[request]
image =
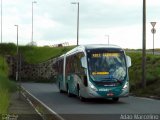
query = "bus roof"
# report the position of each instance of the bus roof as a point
(96, 46)
(92, 46)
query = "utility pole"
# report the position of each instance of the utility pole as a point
(77, 21)
(18, 66)
(17, 56)
(144, 46)
(32, 23)
(108, 38)
(1, 21)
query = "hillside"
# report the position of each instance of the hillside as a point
(34, 54)
(6, 86)
(31, 55)
(152, 74)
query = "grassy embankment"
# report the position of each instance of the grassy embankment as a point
(152, 75)
(31, 55)
(34, 54)
(41, 54)
(6, 86)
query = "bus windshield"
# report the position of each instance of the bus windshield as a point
(106, 65)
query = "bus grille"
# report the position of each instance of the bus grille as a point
(108, 83)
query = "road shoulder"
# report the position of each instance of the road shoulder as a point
(19, 107)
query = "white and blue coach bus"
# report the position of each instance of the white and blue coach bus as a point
(94, 71)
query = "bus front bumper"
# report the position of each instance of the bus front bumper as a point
(105, 92)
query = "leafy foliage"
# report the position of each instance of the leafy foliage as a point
(40, 54)
(7, 49)
(152, 74)
(6, 86)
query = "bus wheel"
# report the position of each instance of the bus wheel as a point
(59, 86)
(80, 97)
(115, 99)
(68, 92)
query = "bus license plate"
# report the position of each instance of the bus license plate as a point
(110, 94)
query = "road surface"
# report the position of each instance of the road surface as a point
(71, 108)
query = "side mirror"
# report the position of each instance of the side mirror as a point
(83, 62)
(128, 59)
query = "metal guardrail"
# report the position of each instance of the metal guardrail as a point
(43, 110)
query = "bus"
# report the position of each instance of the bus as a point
(94, 71)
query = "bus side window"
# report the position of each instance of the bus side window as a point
(71, 65)
(76, 64)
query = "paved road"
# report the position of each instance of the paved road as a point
(96, 109)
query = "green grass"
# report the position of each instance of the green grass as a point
(4, 101)
(31, 55)
(41, 54)
(152, 74)
(34, 54)
(6, 86)
(7, 49)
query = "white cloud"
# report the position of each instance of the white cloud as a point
(55, 21)
(43, 22)
(122, 36)
(130, 3)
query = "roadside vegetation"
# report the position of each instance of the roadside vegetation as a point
(6, 86)
(32, 55)
(40, 54)
(152, 75)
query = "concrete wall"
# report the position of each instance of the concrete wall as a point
(27, 72)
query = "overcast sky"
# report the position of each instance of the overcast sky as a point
(55, 22)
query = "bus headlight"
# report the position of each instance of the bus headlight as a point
(92, 86)
(126, 86)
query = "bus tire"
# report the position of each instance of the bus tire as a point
(79, 95)
(68, 91)
(115, 99)
(59, 86)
